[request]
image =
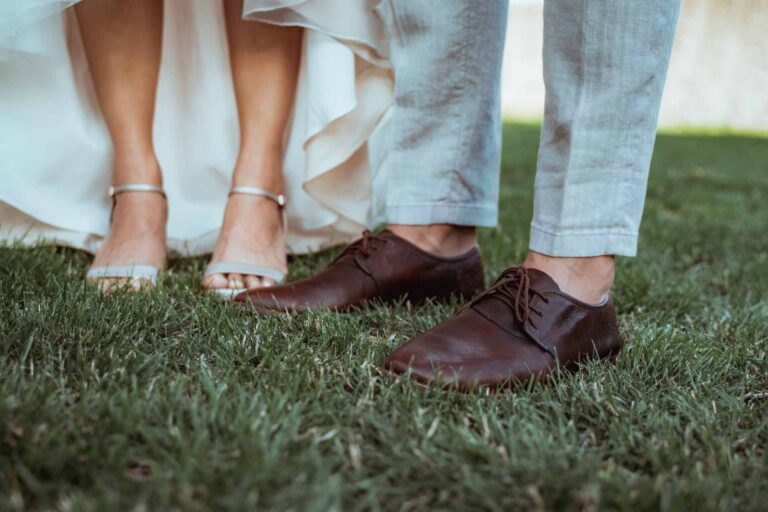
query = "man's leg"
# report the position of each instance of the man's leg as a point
(442, 163)
(604, 70)
(605, 64)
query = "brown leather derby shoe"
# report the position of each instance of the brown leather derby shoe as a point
(383, 268)
(521, 328)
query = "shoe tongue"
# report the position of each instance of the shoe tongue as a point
(538, 281)
(388, 234)
(541, 281)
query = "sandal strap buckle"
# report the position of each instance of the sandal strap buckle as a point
(256, 191)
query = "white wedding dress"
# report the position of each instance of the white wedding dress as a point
(55, 152)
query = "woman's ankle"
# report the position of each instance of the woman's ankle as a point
(137, 168)
(262, 172)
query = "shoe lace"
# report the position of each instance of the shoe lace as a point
(364, 247)
(513, 288)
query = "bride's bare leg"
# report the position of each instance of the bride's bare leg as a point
(265, 63)
(122, 40)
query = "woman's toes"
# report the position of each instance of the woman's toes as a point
(106, 285)
(140, 284)
(112, 284)
(236, 281)
(253, 282)
(216, 281)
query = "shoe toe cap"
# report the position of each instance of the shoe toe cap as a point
(261, 298)
(465, 354)
(439, 354)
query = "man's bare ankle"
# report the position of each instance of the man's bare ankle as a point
(589, 279)
(445, 240)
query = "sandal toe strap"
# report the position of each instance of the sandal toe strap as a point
(133, 272)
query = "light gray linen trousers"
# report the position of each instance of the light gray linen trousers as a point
(605, 62)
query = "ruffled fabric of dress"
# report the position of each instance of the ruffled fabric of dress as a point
(17, 17)
(55, 152)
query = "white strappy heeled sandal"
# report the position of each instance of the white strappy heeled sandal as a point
(236, 267)
(136, 273)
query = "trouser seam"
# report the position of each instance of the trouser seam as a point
(461, 119)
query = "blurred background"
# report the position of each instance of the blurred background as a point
(718, 76)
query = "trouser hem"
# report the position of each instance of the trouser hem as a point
(575, 245)
(441, 213)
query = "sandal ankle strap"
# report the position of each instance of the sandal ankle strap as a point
(115, 191)
(135, 187)
(256, 191)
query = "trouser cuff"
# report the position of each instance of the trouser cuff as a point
(441, 213)
(574, 245)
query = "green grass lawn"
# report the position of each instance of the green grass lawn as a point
(174, 400)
